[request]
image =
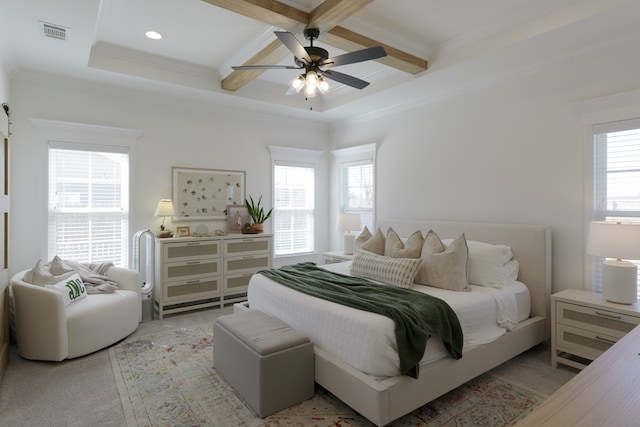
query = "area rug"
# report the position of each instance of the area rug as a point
(168, 379)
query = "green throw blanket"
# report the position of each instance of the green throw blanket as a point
(417, 316)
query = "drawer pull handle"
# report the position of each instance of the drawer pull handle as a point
(599, 338)
(599, 313)
(191, 282)
(193, 244)
(193, 262)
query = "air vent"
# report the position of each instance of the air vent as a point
(54, 31)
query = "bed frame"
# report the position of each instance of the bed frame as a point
(382, 401)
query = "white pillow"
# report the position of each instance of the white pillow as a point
(392, 271)
(490, 265)
(72, 289)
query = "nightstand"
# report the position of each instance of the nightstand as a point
(336, 256)
(584, 326)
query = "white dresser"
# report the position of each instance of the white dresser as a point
(198, 272)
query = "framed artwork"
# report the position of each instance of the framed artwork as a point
(203, 194)
(184, 231)
(238, 215)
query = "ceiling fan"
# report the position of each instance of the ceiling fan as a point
(312, 58)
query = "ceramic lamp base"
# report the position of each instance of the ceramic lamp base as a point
(348, 243)
(620, 282)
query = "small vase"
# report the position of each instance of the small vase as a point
(259, 227)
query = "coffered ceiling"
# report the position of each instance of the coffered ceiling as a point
(434, 47)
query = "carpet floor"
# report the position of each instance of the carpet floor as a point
(167, 379)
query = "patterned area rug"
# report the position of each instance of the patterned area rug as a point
(167, 379)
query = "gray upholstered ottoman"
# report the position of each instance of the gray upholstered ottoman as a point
(270, 364)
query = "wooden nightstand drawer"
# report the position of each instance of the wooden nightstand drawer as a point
(595, 319)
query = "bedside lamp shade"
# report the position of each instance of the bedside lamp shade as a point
(620, 241)
(348, 223)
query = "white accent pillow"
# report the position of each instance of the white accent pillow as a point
(392, 271)
(490, 265)
(396, 248)
(72, 289)
(444, 267)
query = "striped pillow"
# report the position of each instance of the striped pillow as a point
(392, 271)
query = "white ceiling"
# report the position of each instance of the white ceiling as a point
(466, 42)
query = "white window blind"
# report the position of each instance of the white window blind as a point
(616, 177)
(88, 203)
(294, 204)
(357, 190)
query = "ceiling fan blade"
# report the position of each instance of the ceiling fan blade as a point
(353, 57)
(293, 45)
(345, 79)
(265, 67)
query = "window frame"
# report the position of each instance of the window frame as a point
(82, 135)
(301, 158)
(600, 174)
(352, 156)
(52, 236)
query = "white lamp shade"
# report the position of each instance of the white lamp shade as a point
(165, 208)
(349, 222)
(614, 240)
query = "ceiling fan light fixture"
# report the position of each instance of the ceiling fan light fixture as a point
(323, 85)
(312, 79)
(298, 83)
(310, 91)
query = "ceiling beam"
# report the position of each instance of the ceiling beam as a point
(349, 41)
(272, 54)
(332, 12)
(268, 11)
(325, 17)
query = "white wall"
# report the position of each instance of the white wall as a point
(176, 133)
(512, 152)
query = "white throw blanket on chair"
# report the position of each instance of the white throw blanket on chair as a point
(58, 270)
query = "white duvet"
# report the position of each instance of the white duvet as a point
(366, 340)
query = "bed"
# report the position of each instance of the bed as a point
(382, 396)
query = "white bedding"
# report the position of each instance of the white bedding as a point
(366, 340)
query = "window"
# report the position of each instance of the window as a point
(88, 203)
(293, 209)
(616, 176)
(356, 168)
(356, 190)
(294, 200)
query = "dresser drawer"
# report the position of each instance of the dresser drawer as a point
(596, 320)
(236, 283)
(246, 264)
(189, 270)
(191, 250)
(189, 290)
(247, 246)
(582, 342)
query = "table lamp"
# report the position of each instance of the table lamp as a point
(616, 240)
(348, 223)
(164, 209)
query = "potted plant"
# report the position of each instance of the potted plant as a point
(257, 213)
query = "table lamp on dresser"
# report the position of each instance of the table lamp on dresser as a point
(348, 223)
(618, 242)
(164, 209)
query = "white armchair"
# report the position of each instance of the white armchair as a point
(46, 329)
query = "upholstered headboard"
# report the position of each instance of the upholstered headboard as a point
(531, 246)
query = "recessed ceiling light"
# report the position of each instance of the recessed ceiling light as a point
(154, 35)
